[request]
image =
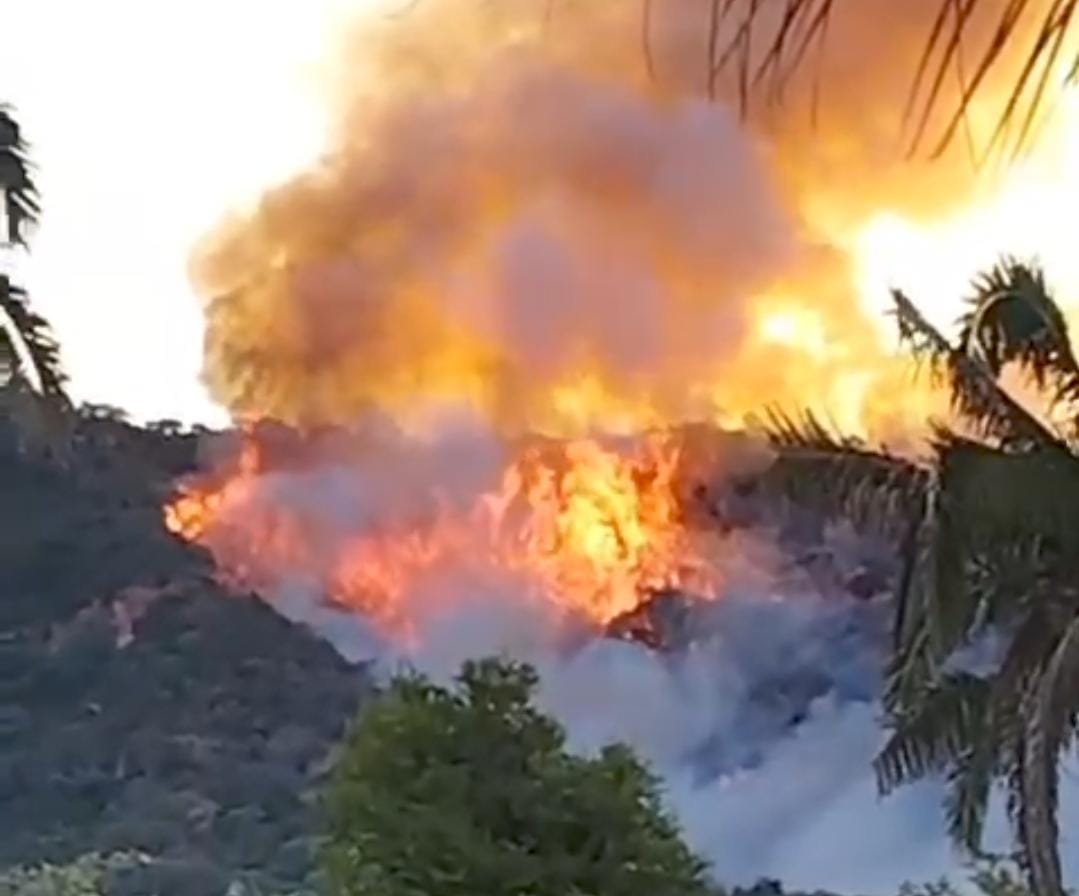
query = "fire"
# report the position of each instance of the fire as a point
(518, 220)
(514, 216)
(585, 528)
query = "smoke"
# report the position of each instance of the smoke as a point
(763, 730)
(513, 217)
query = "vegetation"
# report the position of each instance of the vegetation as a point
(991, 556)
(86, 876)
(32, 378)
(989, 878)
(471, 790)
(768, 43)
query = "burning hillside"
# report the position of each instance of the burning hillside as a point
(524, 237)
(588, 529)
(518, 221)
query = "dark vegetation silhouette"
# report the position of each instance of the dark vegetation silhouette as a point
(983, 681)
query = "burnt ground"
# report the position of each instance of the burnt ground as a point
(141, 707)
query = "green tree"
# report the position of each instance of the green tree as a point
(470, 790)
(990, 550)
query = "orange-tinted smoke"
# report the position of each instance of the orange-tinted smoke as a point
(512, 215)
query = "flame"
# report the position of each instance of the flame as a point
(518, 220)
(585, 528)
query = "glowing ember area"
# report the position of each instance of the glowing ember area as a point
(585, 528)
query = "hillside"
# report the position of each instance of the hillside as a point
(141, 707)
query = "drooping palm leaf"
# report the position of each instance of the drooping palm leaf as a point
(20, 196)
(841, 476)
(32, 351)
(976, 395)
(935, 732)
(969, 784)
(788, 27)
(1013, 317)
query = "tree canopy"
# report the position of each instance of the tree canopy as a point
(991, 556)
(467, 790)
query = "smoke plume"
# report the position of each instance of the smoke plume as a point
(513, 216)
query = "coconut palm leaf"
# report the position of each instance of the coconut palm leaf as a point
(1013, 317)
(32, 351)
(840, 476)
(935, 733)
(20, 196)
(1045, 26)
(969, 786)
(976, 396)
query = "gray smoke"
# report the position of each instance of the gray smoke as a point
(763, 727)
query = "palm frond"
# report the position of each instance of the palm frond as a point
(33, 351)
(1000, 496)
(20, 195)
(1013, 317)
(840, 476)
(975, 394)
(935, 733)
(969, 785)
(786, 37)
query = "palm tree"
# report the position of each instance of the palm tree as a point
(990, 562)
(28, 351)
(32, 378)
(20, 198)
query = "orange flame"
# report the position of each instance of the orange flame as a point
(589, 530)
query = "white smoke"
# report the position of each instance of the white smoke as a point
(765, 783)
(763, 730)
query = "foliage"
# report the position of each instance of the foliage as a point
(990, 552)
(470, 790)
(764, 46)
(990, 877)
(20, 198)
(86, 876)
(29, 353)
(38, 362)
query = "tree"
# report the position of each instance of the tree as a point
(20, 198)
(470, 790)
(990, 550)
(32, 378)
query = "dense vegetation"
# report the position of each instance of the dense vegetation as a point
(472, 790)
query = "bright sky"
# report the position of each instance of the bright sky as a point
(147, 121)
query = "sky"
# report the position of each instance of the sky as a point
(147, 122)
